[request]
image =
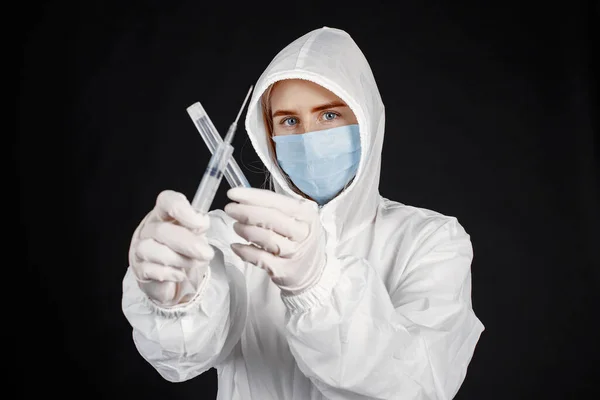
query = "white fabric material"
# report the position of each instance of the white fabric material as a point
(391, 315)
(285, 235)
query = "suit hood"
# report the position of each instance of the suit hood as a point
(329, 57)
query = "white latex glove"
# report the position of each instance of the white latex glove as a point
(169, 253)
(286, 236)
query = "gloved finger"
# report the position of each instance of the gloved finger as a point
(299, 209)
(179, 239)
(254, 255)
(162, 292)
(157, 253)
(269, 218)
(171, 205)
(146, 270)
(266, 239)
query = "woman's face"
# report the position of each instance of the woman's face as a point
(300, 106)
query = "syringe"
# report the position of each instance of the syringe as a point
(233, 173)
(214, 171)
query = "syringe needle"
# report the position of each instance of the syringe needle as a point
(244, 104)
(231, 131)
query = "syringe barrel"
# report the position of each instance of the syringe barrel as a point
(208, 133)
(212, 179)
(233, 173)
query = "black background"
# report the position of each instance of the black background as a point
(491, 117)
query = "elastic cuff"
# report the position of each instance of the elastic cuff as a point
(319, 293)
(179, 310)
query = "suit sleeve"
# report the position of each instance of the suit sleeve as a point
(356, 340)
(184, 341)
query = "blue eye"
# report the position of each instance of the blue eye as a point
(290, 121)
(328, 116)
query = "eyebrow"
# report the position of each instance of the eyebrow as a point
(332, 104)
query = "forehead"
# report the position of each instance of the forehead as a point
(299, 92)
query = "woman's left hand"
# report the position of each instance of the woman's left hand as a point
(286, 236)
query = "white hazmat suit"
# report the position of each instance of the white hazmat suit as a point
(390, 318)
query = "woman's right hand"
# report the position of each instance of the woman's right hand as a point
(169, 252)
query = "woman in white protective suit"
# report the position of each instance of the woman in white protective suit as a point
(320, 289)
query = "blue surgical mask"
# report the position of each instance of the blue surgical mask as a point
(320, 163)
